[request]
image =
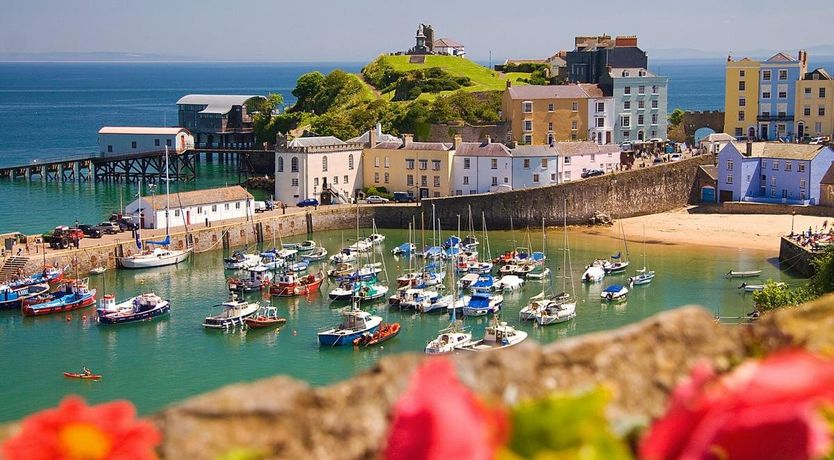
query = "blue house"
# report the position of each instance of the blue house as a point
(770, 172)
(777, 95)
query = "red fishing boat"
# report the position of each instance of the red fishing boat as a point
(290, 284)
(505, 258)
(385, 332)
(265, 317)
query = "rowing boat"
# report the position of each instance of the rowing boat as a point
(76, 375)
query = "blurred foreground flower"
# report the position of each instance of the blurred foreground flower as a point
(769, 409)
(76, 431)
(440, 418)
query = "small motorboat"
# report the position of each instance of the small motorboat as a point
(508, 283)
(344, 291)
(405, 249)
(11, 299)
(742, 274)
(642, 277)
(556, 311)
(258, 280)
(266, 316)
(595, 272)
(538, 303)
(98, 270)
(271, 261)
(291, 284)
(286, 253)
(370, 290)
(448, 341)
(385, 332)
(300, 266)
(483, 304)
(306, 246)
(241, 261)
(757, 287)
(140, 308)
(49, 275)
(82, 376)
(375, 239)
(74, 295)
(614, 293)
(291, 246)
(355, 323)
(344, 256)
(235, 311)
(540, 272)
(361, 246)
(467, 280)
(617, 266)
(315, 254)
(496, 336)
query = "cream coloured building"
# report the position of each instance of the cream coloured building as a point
(325, 168)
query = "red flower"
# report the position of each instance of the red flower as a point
(763, 409)
(440, 418)
(75, 431)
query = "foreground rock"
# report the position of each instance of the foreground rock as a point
(640, 363)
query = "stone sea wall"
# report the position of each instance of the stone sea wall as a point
(639, 363)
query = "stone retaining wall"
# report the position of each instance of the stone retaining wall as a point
(796, 258)
(743, 207)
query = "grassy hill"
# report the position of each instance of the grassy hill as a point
(481, 78)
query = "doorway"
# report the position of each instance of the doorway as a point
(764, 133)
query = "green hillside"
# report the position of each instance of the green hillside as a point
(479, 77)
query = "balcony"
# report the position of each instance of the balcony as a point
(770, 117)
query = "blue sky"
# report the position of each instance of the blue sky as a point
(342, 30)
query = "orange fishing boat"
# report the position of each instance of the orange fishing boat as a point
(385, 332)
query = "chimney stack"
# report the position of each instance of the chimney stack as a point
(372, 138)
(458, 141)
(749, 149)
(509, 84)
(487, 139)
(407, 139)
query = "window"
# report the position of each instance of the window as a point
(226, 206)
(765, 94)
(535, 178)
(654, 118)
(424, 181)
(654, 89)
(741, 73)
(626, 122)
(350, 162)
(788, 166)
(593, 157)
(168, 142)
(324, 163)
(772, 181)
(544, 163)
(775, 166)
(409, 163)
(550, 138)
(156, 142)
(316, 181)
(109, 149)
(567, 176)
(764, 165)
(822, 92)
(573, 124)
(802, 194)
(626, 105)
(435, 165)
(575, 107)
(783, 75)
(214, 208)
(641, 90)
(550, 107)
(528, 125)
(409, 180)
(567, 160)
(345, 179)
(506, 180)
(424, 164)
(237, 205)
(640, 120)
(472, 192)
(641, 104)
(494, 181)
(821, 111)
(553, 177)
(801, 167)
(600, 107)
(807, 93)
(654, 104)
(739, 132)
(133, 145)
(783, 94)
(742, 102)
(376, 177)
(387, 162)
(766, 75)
(494, 163)
(294, 164)
(818, 127)
(528, 139)
(773, 192)
(527, 107)
(376, 162)
(458, 192)
(436, 194)
(336, 180)
(387, 178)
(466, 163)
(465, 180)
(280, 164)
(730, 179)
(550, 126)
(729, 165)
(626, 135)
(741, 115)
(807, 110)
(627, 90)
(526, 163)
(177, 212)
(600, 122)
(741, 86)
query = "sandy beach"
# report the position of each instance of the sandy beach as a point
(748, 231)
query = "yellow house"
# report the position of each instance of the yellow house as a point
(423, 169)
(815, 105)
(741, 98)
(541, 115)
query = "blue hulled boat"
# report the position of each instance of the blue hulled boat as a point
(73, 296)
(354, 324)
(11, 299)
(47, 276)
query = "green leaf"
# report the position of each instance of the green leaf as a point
(565, 427)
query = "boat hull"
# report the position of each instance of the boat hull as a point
(131, 318)
(75, 375)
(150, 262)
(60, 305)
(13, 300)
(332, 339)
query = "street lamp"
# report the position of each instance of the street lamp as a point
(793, 215)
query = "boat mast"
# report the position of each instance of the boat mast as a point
(625, 243)
(567, 253)
(544, 251)
(167, 193)
(486, 237)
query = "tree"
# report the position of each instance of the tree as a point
(307, 90)
(265, 106)
(676, 117)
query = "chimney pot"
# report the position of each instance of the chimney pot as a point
(458, 140)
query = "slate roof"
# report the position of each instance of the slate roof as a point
(719, 137)
(585, 147)
(632, 72)
(317, 141)
(530, 92)
(824, 75)
(711, 171)
(215, 103)
(140, 130)
(365, 138)
(482, 149)
(199, 197)
(446, 43)
(438, 146)
(828, 178)
(781, 150)
(781, 57)
(534, 151)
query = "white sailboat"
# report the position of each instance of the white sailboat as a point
(159, 256)
(562, 307)
(454, 336)
(643, 276)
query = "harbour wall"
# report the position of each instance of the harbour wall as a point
(740, 207)
(796, 258)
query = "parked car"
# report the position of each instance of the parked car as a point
(125, 223)
(591, 173)
(307, 202)
(90, 231)
(109, 228)
(260, 206)
(819, 140)
(376, 199)
(675, 157)
(403, 197)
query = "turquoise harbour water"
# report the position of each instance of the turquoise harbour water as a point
(157, 363)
